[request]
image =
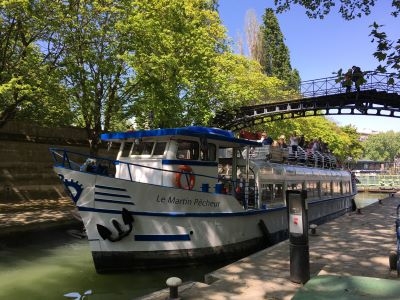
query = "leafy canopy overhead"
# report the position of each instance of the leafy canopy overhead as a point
(382, 146)
(387, 51)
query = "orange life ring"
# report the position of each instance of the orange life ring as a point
(189, 176)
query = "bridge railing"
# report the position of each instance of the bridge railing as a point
(384, 82)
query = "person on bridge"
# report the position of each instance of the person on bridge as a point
(357, 77)
(347, 83)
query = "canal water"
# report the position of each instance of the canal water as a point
(54, 264)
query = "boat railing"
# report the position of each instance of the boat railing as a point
(83, 162)
(269, 152)
(286, 155)
(107, 167)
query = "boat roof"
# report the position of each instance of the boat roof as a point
(226, 137)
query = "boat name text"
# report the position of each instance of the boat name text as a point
(185, 201)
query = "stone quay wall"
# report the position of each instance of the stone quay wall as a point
(26, 164)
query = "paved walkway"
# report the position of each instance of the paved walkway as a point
(352, 245)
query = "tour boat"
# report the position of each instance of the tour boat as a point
(192, 195)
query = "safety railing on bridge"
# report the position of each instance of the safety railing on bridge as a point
(384, 82)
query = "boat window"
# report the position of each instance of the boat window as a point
(142, 148)
(267, 195)
(346, 187)
(336, 188)
(212, 153)
(127, 149)
(295, 186)
(279, 193)
(312, 188)
(159, 148)
(187, 150)
(326, 188)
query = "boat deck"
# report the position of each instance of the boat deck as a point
(350, 252)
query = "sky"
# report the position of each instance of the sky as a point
(318, 48)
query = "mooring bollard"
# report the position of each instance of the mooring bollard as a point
(173, 283)
(313, 228)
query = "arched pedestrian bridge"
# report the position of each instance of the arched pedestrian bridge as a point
(379, 96)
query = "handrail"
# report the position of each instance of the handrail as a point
(385, 82)
(65, 161)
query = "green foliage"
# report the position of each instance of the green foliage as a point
(275, 55)
(241, 82)
(383, 146)
(89, 61)
(29, 86)
(388, 51)
(161, 63)
(175, 50)
(343, 142)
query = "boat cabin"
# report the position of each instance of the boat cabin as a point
(185, 158)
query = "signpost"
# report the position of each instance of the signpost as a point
(298, 236)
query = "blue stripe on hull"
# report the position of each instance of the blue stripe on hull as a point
(162, 238)
(180, 214)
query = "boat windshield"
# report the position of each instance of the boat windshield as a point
(140, 147)
(188, 150)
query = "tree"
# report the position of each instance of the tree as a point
(342, 141)
(383, 146)
(175, 47)
(87, 50)
(275, 54)
(253, 36)
(354, 149)
(29, 85)
(388, 51)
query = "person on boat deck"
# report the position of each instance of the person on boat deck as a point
(302, 141)
(265, 139)
(316, 146)
(294, 143)
(89, 165)
(282, 142)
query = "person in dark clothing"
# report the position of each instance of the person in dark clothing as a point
(348, 77)
(266, 140)
(302, 141)
(357, 77)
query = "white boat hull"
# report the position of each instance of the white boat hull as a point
(173, 226)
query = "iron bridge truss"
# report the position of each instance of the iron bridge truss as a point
(379, 96)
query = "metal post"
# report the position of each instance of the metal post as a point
(298, 236)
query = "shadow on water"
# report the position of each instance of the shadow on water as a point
(48, 265)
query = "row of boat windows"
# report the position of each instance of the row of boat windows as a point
(186, 149)
(272, 194)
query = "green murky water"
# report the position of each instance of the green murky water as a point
(51, 266)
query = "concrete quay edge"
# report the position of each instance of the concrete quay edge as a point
(356, 244)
